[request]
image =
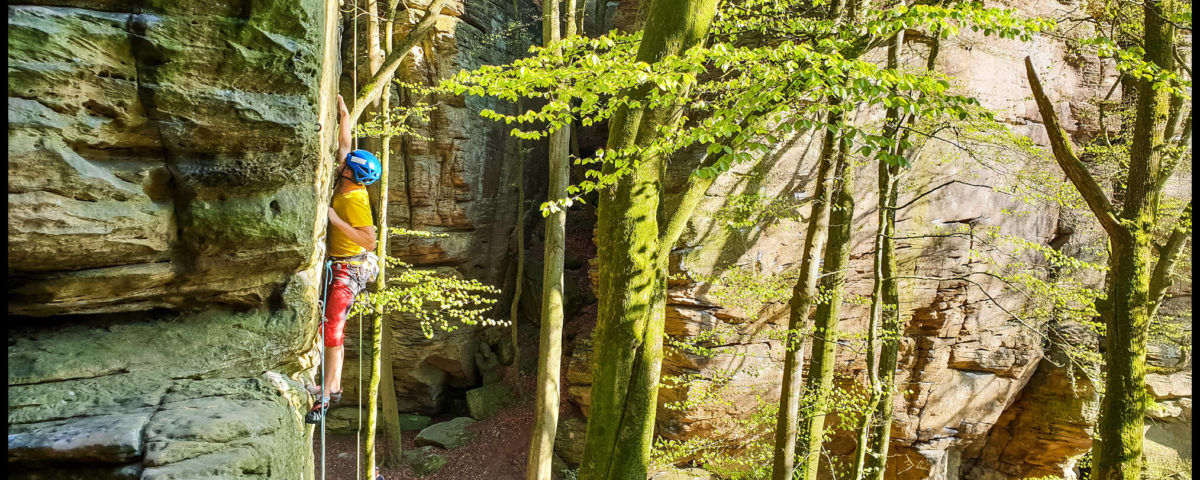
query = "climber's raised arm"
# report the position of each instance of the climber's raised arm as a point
(345, 137)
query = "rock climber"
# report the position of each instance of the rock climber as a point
(351, 251)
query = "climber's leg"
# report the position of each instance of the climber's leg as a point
(341, 297)
(337, 306)
(333, 367)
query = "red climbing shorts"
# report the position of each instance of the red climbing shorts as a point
(342, 290)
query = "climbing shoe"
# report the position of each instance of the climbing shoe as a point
(319, 407)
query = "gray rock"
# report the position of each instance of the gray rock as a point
(448, 435)
(412, 421)
(568, 440)
(487, 400)
(113, 438)
(424, 460)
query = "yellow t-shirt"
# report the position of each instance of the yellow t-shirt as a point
(354, 208)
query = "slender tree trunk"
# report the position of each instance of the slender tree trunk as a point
(545, 415)
(375, 358)
(520, 232)
(803, 295)
(392, 455)
(889, 301)
(880, 435)
(601, 13)
(632, 286)
(825, 329)
(885, 200)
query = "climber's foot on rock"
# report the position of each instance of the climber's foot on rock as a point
(317, 413)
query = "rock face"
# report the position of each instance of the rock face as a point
(166, 172)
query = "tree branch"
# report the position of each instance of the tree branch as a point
(927, 192)
(373, 88)
(1160, 280)
(1096, 199)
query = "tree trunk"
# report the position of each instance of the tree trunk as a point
(1117, 452)
(520, 232)
(888, 291)
(392, 455)
(545, 414)
(880, 436)
(632, 285)
(825, 328)
(803, 295)
(886, 199)
(376, 353)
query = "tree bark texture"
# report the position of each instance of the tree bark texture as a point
(545, 415)
(825, 325)
(1117, 452)
(888, 300)
(392, 455)
(632, 286)
(803, 295)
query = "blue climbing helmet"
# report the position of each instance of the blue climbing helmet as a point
(365, 166)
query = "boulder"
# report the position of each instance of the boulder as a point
(412, 421)
(424, 460)
(568, 440)
(684, 474)
(448, 435)
(487, 400)
(558, 468)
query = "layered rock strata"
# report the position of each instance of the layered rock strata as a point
(166, 169)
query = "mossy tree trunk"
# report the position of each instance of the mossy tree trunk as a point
(545, 415)
(825, 325)
(391, 416)
(1117, 452)
(803, 296)
(374, 357)
(888, 300)
(632, 285)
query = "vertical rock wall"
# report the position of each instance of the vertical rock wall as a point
(167, 180)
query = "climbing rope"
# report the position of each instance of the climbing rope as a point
(324, 301)
(354, 138)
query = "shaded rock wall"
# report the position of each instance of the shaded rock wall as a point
(166, 179)
(461, 182)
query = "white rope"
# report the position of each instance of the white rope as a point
(358, 435)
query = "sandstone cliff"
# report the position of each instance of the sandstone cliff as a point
(167, 168)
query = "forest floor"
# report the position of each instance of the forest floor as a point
(498, 453)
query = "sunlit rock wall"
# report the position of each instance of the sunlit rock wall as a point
(976, 396)
(167, 178)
